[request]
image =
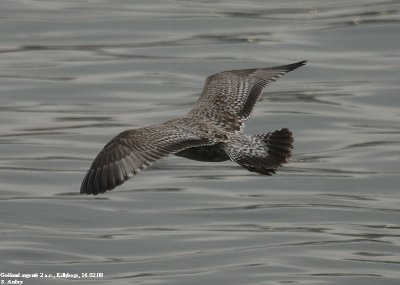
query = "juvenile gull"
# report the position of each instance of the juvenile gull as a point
(211, 131)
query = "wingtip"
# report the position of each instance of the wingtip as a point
(295, 65)
(303, 62)
(288, 67)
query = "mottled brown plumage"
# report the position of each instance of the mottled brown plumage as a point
(211, 131)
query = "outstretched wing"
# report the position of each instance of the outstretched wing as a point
(228, 97)
(134, 150)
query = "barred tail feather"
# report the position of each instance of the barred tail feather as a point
(262, 153)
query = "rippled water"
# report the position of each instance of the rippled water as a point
(75, 73)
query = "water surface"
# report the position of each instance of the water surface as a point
(75, 73)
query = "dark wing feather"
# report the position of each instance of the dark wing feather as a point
(228, 97)
(134, 150)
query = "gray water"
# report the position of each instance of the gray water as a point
(75, 73)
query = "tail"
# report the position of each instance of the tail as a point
(261, 153)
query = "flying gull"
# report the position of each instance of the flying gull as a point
(211, 131)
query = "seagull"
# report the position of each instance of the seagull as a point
(211, 131)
